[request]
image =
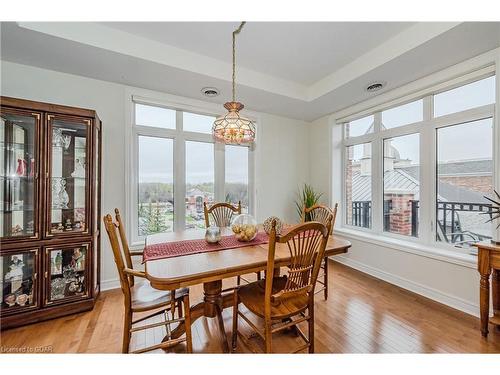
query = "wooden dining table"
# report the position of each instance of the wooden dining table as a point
(210, 268)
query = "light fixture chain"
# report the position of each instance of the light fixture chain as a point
(237, 31)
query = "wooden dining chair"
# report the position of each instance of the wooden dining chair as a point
(220, 215)
(140, 297)
(283, 302)
(322, 214)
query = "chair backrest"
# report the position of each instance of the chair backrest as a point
(124, 241)
(220, 213)
(306, 243)
(111, 228)
(320, 213)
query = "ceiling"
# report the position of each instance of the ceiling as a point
(299, 70)
(302, 52)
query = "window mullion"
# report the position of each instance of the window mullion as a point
(179, 176)
(219, 172)
(427, 202)
(377, 177)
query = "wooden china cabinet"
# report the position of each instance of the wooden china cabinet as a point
(50, 166)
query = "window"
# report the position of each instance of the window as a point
(193, 122)
(359, 127)
(401, 184)
(236, 189)
(413, 173)
(156, 186)
(359, 185)
(178, 167)
(469, 96)
(464, 178)
(199, 181)
(403, 115)
(147, 115)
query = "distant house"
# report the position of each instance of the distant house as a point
(194, 201)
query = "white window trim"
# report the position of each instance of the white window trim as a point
(179, 138)
(448, 79)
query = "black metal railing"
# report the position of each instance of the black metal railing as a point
(448, 219)
(362, 214)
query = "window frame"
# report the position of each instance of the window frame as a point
(427, 130)
(179, 138)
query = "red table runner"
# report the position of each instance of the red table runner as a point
(188, 247)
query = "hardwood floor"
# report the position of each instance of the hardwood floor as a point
(362, 315)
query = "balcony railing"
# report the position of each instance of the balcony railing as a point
(449, 228)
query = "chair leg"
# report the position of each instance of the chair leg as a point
(238, 280)
(179, 309)
(234, 337)
(268, 335)
(127, 326)
(311, 326)
(259, 277)
(325, 279)
(187, 324)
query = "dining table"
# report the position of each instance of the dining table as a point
(210, 268)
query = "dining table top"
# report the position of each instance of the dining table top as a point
(186, 270)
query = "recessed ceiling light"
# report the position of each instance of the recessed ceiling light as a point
(211, 92)
(375, 86)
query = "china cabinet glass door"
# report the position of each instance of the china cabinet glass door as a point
(18, 273)
(68, 176)
(66, 273)
(18, 174)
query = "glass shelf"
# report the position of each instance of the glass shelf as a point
(18, 167)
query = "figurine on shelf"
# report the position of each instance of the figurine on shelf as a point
(78, 259)
(58, 228)
(32, 167)
(79, 169)
(77, 226)
(15, 274)
(57, 139)
(22, 167)
(29, 226)
(66, 141)
(22, 299)
(68, 226)
(10, 300)
(63, 195)
(17, 230)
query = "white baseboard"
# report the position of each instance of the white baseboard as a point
(110, 284)
(431, 293)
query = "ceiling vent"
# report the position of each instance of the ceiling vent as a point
(211, 92)
(375, 86)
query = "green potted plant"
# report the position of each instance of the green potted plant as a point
(307, 197)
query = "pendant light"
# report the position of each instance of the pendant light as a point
(233, 128)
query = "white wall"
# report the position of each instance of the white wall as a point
(281, 160)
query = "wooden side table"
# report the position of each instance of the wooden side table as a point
(488, 263)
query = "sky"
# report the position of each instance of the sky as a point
(460, 142)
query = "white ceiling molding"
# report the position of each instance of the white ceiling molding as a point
(110, 54)
(111, 39)
(403, 42)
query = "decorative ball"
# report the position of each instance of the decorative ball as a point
(268, 223)
(244, 227)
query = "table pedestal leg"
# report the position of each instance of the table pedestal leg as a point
(212, 306)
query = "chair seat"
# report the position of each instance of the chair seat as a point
(144, 297)
(252, 296)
